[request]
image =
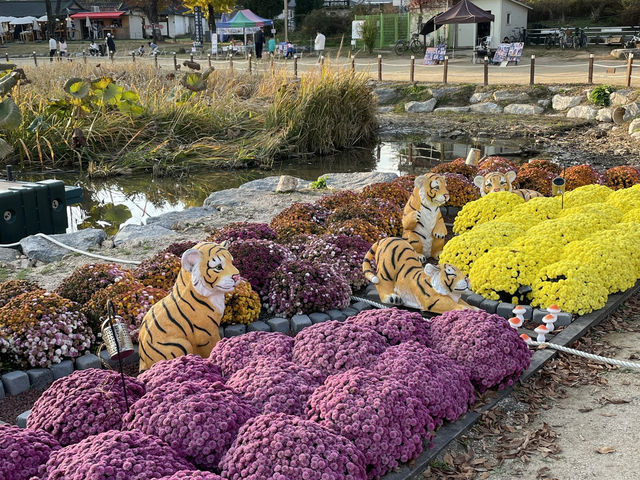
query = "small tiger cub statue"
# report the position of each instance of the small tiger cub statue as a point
(187, 320)
(422, 223)
(401, 279)
(501, 182)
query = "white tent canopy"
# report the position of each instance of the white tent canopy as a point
(43, 18)
(6, 19)
(23, 21)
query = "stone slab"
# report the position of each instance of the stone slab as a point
(42, 250)
(88, 360)
(318, 317)
(350, 312)
(298, 322)
(279, 324)
(61, 369)
(258, 326)
(336, 315)
(221, 331)
(564, 318)
(235, 330)
(489, 305)
(15, 382)
(8, 254)
(40, 378)
(135, 235)
(505, 310)
(133, 358)
(361, 306)
(21, 420)
(180, 219)
(475, 300)
(2, 394)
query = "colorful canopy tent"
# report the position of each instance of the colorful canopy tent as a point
(464, 12)
(244, 21)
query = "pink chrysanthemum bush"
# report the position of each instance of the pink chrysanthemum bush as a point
(257, 260)
(23, 450)
(39, 328)
(88, 279)
(242, 231)
(192, 475)
(443, 386)
(298, 287)
(199, 420)
(276, 387)
(394, 324)
(12, 288)
(178, 248)
(115, 455)
(496, 164)
(185, 368)
(483, 342)
(407, 182)
(159, 271)
(344, 253)
(384, 419)
(275, 446)
(232, 354)
(85, 403)
(333, 347)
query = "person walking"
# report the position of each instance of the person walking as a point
(62, 47)
(319, 44)
(111, 45)
(53, 48)
(258, 40)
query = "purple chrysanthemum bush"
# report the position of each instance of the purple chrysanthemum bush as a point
(114, 454)
(23, 450)
(483, 342)
(85, 403)
(395, 325)
(186, 368)
(88, 279)
(199, 420)
(275, 446)
(192, 475)
(242, 231)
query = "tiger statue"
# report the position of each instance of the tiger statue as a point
(422, 223)
(401, 279)
(187, 320)
(501, 182)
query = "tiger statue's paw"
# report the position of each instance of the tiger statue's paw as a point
(375, 280)
(423, 259)
(393, 299)
(438, 235)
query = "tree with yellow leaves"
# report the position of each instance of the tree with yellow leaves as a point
(211, 8)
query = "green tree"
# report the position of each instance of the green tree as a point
(264, 8)
(370, 33)
(211, 8)
(305, 6)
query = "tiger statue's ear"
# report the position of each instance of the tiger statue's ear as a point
(511, 176)
(479, 182)
(420, 181)
(225, 243)
(431, 270)
(191, 259)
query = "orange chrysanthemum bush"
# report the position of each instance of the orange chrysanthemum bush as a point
(13, 288)
(534, 178)
(88, 279)
(159, 271)
(543, 164)
(406, 181)
(581, 175)
(299, 218)
(384, 215)
(461, 190)
(359, 227)
(133, 305)
(390, 192)
(457, 166)
(242, 305)
(338, 199)
(624, 176)
(497, 164)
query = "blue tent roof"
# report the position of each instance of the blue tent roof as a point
(244, 19)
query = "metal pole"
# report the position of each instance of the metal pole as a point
(410, 153)
(6, 55)
(84, 57)
(353, 64)
(231, 62)
(175, 62)
(486, 71)
(295, 66)
(590, 79)
(35, 59)
(209, 59)
(155, 59)
(412, 69)
(249, 58)
(191, 57)
(322, 60)
(445, 70)
(111, 54)
(629, 69)
(532, 72)
(133, 57)
(379, 68)
(286, 20)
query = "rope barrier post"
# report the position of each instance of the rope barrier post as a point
(590, 79)
(322, 60)
(412, 69)
(249, 58)
(175, 62)
(231, 62)
(445, 70)
(35, 59)
(353, 64)
(629, 69)
(410, 153)
(155, 59)
(295, 66)
(209, 59)
(6, 55)
(84, 56)
(486, 71)
(271, 62)
(111, 55)
(379, 68)
(532, 72)
(133, 57)
(191, 57)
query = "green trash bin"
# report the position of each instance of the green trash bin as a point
(12, 226)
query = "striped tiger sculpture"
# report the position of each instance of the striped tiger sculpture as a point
(502, 182)
(401, 279)
(187, 320)
(422, 223)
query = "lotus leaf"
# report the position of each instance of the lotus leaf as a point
(10, 116)
(77, 87)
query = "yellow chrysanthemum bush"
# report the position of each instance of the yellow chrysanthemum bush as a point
(625, 199)
(495, 275)
(632, 215)
(530, 213)
(484, 210)
(242, 305)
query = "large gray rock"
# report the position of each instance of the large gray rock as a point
(232, 197)
(488, 107)
(544, 102)
(509, 96)
(634, 126)
(563, 102)
(586, 112)
(42, 250)
(479, 97)
(178, 220)
(443, 91)
(523, 109)
(604, 115)
(287, 184)
(452, 109)
(136, 235)
(8, 255)
(386, 95)
(421, 107)
(621, 97)
(356, 180)
(632, 110)
(268, 184)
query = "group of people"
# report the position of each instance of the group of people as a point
(259, 41)
(60, 47)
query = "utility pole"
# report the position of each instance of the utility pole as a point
(286, 20)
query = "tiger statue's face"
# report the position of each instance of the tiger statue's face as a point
(447, 280)
(211, 268)
(495, 182)
(432, 188)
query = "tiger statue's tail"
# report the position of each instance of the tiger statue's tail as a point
(366, 264)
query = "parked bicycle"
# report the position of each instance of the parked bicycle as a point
(519, 34)
(560, 38)
(633, 42)
(579, 38)
(415, 45)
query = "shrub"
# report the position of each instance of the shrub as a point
(406, 181)
(199, 420)
(159, 271)
(88, 279)
(13, 288)
(299, 218)
(320, 21)
(85, 403)
(376, 412)
(542, 164)
(333, 347)
(312, 452)
(384, 215)
(193, 475)
(370, 33)
(624, 176)
(496, 164)
(40, 328)
(461, 190)
(389, 191)
(458, 166)
(132, 305)
(338, 199)
(580, 175)
(485, 209)
(257, 260)
(484, 343)
(395, 325)
(344, 253)
(600, 95)
(132, 455)
(185, 368)
(242, 231)
(23, 451)
(96, 307)
(178, 248)
(242, 305)
(357, 227)
(235, 353)
(299, 287)
(537, 179)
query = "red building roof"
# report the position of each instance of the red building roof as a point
(97, 15)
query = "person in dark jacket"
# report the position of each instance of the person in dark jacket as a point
(111, 45)
(259, 42)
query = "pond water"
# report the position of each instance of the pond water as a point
(110, 203)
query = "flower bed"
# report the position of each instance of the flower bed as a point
(88, 279)
(23, 451)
